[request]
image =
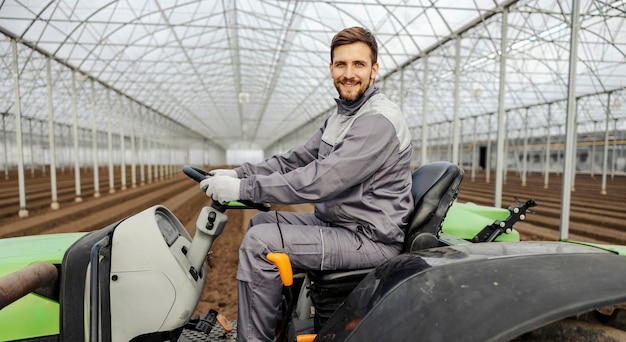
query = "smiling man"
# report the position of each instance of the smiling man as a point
(353, 66)
(355, 169)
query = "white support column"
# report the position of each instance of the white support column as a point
(456, 128)
(525, 153)
(570, 131)
(142, 171)
(162, 163)
(505, 159)
(501, 112)
(157, 157)
(560, 156)
(6, 146)
(23, 212)
(614, 149)
(474, 148)
(31, 147)
(133, 150)
(78, 197)
(488, 155)
(66, 151)
(546, 175)
(110, 142)
(42, 135)
(169, 165)
(94, 139)
(605, 153)
(592, 165)
(120, 120)
(425, 129)
(451, 139)
(54, 205)
(574, 151)
(150, 160)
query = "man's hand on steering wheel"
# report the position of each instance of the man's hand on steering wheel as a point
(224, 172)
(200, 175)
(221, 188)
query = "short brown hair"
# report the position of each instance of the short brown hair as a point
(355, 35)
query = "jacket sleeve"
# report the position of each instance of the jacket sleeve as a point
(286, 162)
(366, 147)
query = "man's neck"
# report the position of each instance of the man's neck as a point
(350, 107)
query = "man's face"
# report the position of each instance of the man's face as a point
(352, 70)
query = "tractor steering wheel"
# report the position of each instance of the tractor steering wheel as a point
(199, 175)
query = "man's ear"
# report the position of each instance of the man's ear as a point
(374, 71)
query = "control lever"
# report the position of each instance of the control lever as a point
(209, 226)
(498, 227)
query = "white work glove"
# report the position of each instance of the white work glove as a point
(222, 188)
(224, 172)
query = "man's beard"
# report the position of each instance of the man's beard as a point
(347, 96)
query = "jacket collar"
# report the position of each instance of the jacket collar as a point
(348, 108)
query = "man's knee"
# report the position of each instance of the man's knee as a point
(260, 236)
(257, 242)
(262, 217)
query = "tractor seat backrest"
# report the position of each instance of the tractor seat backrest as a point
(435, 187)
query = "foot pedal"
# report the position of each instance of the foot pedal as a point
(207, 323)
(224, 323)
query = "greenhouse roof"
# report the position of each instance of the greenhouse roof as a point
(255, 70)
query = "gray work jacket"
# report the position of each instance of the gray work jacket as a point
(355, 169)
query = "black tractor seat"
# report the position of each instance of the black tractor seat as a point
(435, 187)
